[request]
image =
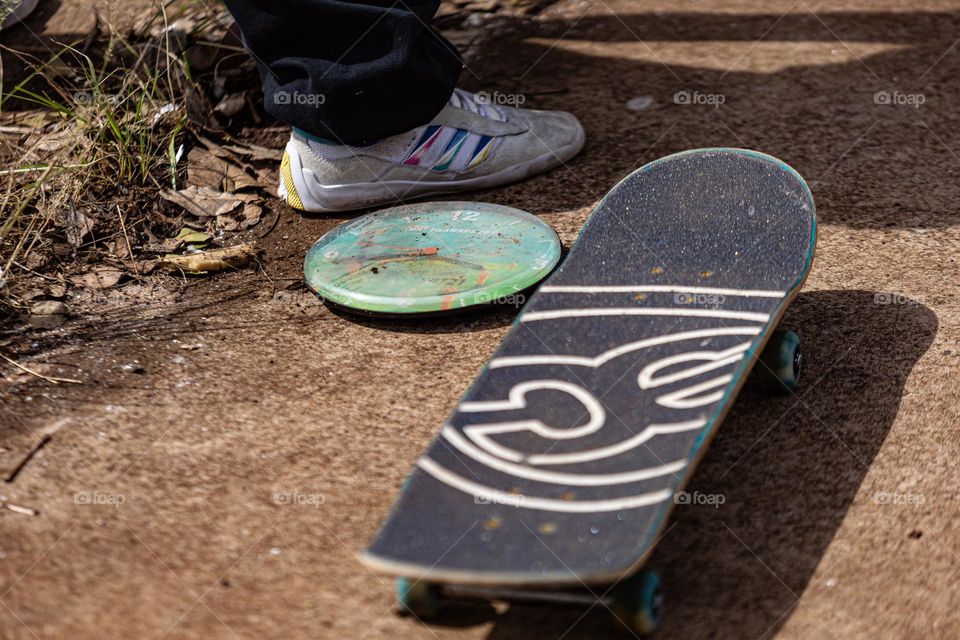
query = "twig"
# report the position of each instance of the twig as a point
(16, 508)
(8, 172)
(52, 379)
(123, 228)
(28, 270)
(27, 458)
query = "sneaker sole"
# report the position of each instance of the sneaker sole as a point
(302, 191)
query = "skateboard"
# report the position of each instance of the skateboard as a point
(561, 464)
(432, 257)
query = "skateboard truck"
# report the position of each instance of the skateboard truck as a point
(636, 601)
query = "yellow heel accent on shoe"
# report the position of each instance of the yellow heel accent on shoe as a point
(293, 198)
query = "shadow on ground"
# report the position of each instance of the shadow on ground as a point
(787, 468)
(789, 86)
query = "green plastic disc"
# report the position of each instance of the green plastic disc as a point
(431, 257)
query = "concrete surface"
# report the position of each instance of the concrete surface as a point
(235, 445)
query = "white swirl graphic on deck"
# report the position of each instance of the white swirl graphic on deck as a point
(688, 381)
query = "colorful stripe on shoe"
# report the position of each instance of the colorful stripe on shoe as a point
(454, 147)
(426, 141)
(450, 153)
(480, 153)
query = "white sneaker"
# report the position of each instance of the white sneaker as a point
(469, 145)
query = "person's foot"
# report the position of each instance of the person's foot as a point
(468, 146)
(13, 11)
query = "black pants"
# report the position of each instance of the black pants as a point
(352, 71)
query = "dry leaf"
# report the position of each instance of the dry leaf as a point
(267, 180)
(213, 260)
(185, 236)
(204, 169)
(231, 104)
(205, 202)
(249, 216)
(220, 172)
(102, 278)
(227, 223)
(78, 226)
(255, 152)
(228, 206)
(244, 181)
(222, 152)
(119, 248)
(145, 267)
(33, 294)
(32, 119)
(185, 200)
(50, 141)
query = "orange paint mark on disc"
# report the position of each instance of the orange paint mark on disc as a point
(482, 278)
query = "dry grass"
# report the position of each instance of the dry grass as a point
(88, 139)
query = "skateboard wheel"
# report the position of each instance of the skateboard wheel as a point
(418, 598)
(637, 602)
(780, 363)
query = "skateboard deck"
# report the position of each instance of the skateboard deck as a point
(560, 464)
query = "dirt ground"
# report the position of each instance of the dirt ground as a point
(234, 444)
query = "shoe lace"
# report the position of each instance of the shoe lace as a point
(476, 103)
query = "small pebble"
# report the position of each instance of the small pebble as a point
(639, 103)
